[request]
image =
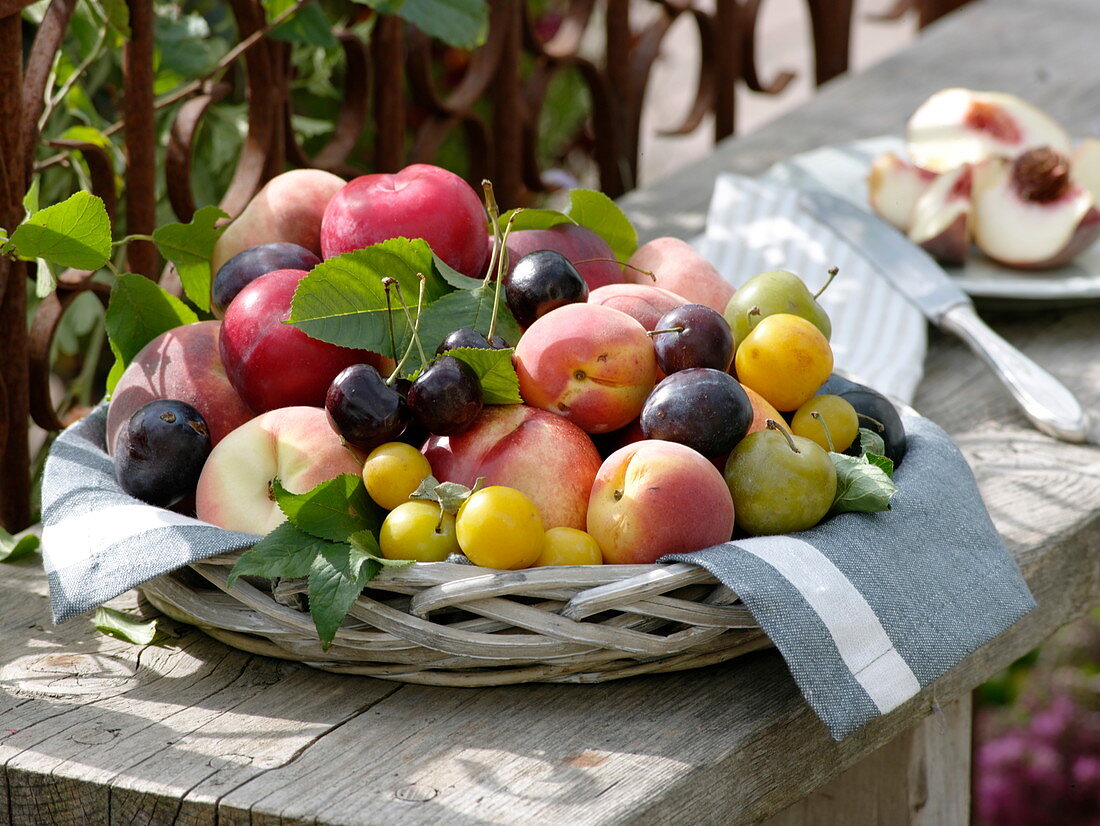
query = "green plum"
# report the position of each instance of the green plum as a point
(780, 483)
(770, 293)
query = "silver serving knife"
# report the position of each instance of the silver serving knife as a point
(1045, 401)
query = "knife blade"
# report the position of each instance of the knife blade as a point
(1047, 403)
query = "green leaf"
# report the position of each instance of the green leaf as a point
(460, 23)
(534, 219)
(333, 510)
(453, 276)
(871, 442)
(883, 462)
(366, 543)
(464, 308)
(12, 548)
(342, 300)
(499, 382)
(336, 579)
(190, 247)
(139, 632)
(285, 552)
(449, 495)
(860, 485)
(75, 233)
(86, 134)
(118, 18)
(30, 200)
(138, 312)
(308, 25)
(600, 214)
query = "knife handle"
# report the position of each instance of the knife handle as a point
(1047, 402)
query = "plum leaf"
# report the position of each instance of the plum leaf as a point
(14, 548)
(334, 510)
(597, 212)
(74, 233)
(287, 551)
(861, 486)
(121, 626)
(336, 578)
(190, 247)
(499, 382)
(138, 312)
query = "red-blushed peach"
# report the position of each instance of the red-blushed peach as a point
(295, 444)
(288, 208)
(420, 201)
(591, 364)
(576, 243)
(653, 498)
(542, 455)
(182, 363)
(644, 302)
(679, 268)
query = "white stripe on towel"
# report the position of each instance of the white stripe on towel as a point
(74, 540)
(859, 636)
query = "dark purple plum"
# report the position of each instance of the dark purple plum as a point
(703, 408)
(542, 281)
(160, 451)
(363, 409)
(469, 337)
(446, 397)
(692, 335)
(248, 265)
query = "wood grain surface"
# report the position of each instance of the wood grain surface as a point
(93, 730)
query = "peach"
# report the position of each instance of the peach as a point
(295, 444)
(653, 498)
(644, 302)
(679, 268)
(762, 410)
(590, 364)
(893, 187)
(288, 208)
(542, 455)
(182, 363)
(576, 243)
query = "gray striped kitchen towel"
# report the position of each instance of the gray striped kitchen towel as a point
(869, 608)
(97, 540)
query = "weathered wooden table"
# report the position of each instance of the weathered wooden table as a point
(98, 731)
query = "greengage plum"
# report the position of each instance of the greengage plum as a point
(770, 293)
(827, 420)
(875, 412)
(779, 483)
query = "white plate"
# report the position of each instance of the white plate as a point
(878, 336)
(843, 169)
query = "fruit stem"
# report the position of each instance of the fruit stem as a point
(439, 524)
(653, 333)
(832, 274)
(502, 265)
(771, 424)
(414, 326)
(389, 318)
(828, 436)
(494, 220)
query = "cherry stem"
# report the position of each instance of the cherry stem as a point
(439, 524)
(615, 261)
(502, 265)
(832, 274)
(494, 220)
(389, 318)
(771, 424)
(828, 436)
(414, 326)
(653, 333)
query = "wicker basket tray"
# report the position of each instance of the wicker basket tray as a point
(454, 624)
